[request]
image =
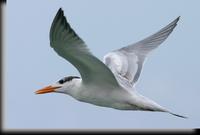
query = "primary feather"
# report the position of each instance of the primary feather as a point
(126, 63)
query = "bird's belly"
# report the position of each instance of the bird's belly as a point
(112, 99)
(116, 104)
(96, 98)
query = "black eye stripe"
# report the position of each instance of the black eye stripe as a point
(67, 79)
(61, 81)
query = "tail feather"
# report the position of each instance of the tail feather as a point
(165, 110)
(181, 116)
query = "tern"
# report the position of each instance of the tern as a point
(110, 83)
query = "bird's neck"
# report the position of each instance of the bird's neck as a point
(75, 87)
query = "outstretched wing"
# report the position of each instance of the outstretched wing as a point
(126, 63)
(71, 47)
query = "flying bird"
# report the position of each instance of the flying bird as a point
(110, 83)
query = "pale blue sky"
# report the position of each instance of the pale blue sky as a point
(170, 75)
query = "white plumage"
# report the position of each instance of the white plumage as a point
(110, 83)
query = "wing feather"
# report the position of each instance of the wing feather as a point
(128, 61)
(71, 47)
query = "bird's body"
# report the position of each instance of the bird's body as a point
(110, 83)
(108, 96)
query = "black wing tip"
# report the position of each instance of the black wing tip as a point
(60, 12)
(58, 15)
(178, 18)
(173, 24)
(60, 9)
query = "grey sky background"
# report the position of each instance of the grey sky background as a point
(170, 75)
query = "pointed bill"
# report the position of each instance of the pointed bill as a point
(47, 89)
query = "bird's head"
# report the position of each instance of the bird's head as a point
(64, 85)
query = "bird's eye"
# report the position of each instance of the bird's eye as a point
(67, 79)
(61, 81)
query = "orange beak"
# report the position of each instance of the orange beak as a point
(47, 89)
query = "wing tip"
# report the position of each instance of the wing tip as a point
(178, 18)
(60, 11)
(59, 16)
(174, 23)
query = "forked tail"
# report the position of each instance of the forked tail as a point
(149, 105)
(181, 116)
